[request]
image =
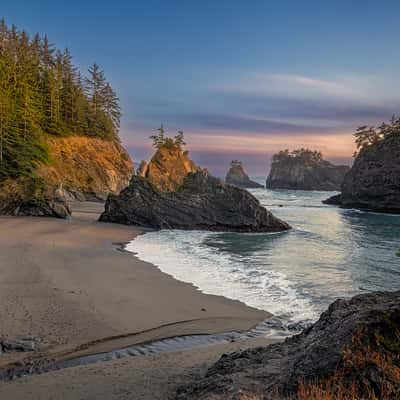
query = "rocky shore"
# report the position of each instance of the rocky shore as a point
(352, 349)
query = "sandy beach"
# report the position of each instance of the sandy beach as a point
(68, 283)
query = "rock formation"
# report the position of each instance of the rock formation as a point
(201, 202)
(86, 168)
(238, 177)
(31, 197)
(353, 349)
(168, 168)
(304, 170)
(373, 182)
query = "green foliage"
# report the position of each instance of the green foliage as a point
(304, 155)
(161, 140)
(366, 136)
(41, 92)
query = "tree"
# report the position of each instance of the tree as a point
(161, 140)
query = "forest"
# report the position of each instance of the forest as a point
(43, 93)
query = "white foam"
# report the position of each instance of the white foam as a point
(184, 255)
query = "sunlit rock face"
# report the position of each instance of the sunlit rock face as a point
(305, 170)
(373, 182)
(238, 177)
(168, 168)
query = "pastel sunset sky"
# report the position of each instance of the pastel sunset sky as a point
(242, 79)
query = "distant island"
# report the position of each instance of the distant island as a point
(237, 176)
(373, 182)
(58, 131)
(304, 169)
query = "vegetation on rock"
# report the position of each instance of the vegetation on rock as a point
(43, 93)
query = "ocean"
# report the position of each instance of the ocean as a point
(295, 275)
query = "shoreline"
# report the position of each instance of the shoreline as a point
(68, 283)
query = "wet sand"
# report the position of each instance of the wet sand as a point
(69, 284)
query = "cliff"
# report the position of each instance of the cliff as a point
(373, 182)
(351, 352)
(201, 202)
(237, 176)
(304, 170)
(168, 168)
(86, 168)
(78, 168)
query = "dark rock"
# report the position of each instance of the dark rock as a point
(22, 345)
(373, 182)
(201, 202)
(237, 176)
(31, 197)
(354, 344)
(305, 170)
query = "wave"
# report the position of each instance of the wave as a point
(186, 257)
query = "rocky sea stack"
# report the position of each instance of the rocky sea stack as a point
(352, 352)
(202, 202)
(373, 182)
(237, 176)
(304, 169)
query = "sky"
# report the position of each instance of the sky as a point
(242, 79)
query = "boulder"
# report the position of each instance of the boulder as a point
(237, 176)
(201, 202)
(353, 349)
(373, 182)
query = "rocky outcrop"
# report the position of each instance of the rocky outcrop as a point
(142, 168)
(353, 349)
(201, 202)
(84, 168)
(168, 168)
(305, 170)
(31, 197)
(238, 177)
(373, 182)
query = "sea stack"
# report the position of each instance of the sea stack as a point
(304, 169)
(373, 182)
(174, 193)
(237, 176)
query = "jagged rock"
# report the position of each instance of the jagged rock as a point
(355, 345)
(201, 202)
(169, 167)
(304, 170)
(238, 177)
(373, 182)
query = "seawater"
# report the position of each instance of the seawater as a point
(329, 253)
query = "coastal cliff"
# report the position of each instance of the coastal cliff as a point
(351, 352)
(85, 168)
(304, 170)
(237, 176)
(59, 129)
(373, 182)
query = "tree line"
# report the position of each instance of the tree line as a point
(367, 135)
(302, 154)
(42, 92)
